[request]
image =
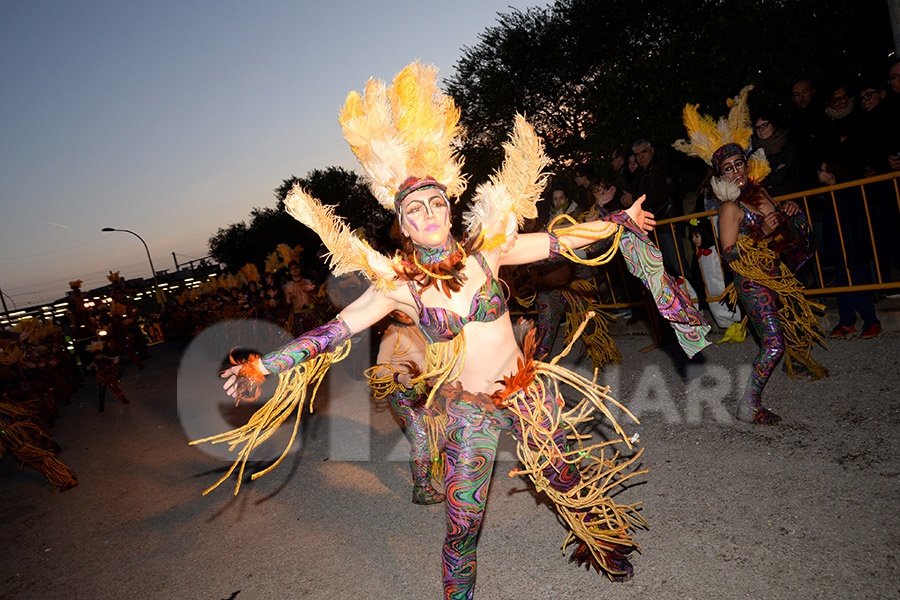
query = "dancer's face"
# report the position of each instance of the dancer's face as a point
(425, 217)
(734, 169)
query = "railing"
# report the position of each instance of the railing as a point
(883, 191)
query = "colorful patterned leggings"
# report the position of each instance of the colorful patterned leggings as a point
(551, 308)
(407, 404)
(472, 436)
(761, 305)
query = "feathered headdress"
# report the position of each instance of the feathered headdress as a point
(288, 254)
(402, 131)
(248, 273)
(501, 205)
(706, 135)
(273, 262)
(405, 133)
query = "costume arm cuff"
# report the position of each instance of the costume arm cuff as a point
(314, 342)
(731, 254)
(554, 245)
(620, 217)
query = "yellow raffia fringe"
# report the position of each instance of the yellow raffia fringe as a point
(592, 516)
(383, 386)
(799, 325)
(599, 346)
(444, 362)
(435, 426)
(290, 397)
(581, 230)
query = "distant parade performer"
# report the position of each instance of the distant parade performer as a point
(107, 370)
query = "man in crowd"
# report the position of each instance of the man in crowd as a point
(656, 180)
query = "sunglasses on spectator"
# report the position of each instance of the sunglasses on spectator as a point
(867, 95)
(836, 99)
(761, 126)
(731, 168)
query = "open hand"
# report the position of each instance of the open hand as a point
(790, 208)
(604, 197)
(230, 376)
(771, 222)
(641, 217)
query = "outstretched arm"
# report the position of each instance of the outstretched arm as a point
(366, 310)
(532, 247)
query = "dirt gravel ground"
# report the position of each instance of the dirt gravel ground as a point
(804, 510)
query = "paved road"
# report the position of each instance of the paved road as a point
(805, 510)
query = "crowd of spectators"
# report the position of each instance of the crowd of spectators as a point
(845, 125)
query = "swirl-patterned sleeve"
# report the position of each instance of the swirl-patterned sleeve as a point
(731, 254)
(312, 343)
(644, 261)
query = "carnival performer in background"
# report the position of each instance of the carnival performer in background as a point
(401, 356)
(298, 295)
(762, 243)
(481, 381)
(107, 370)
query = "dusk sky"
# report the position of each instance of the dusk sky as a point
(173, 119)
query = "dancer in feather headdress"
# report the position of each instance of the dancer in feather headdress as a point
(481, 381)
(762, 242)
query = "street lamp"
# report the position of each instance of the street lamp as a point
(159, 296)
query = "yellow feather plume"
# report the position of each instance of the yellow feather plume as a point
(248, 273)
(406, 130)
(347, 252)
(273, 262)
(759, 167)
(511, 194)
(707, 135)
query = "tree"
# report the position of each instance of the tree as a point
(344, 189)
(591, 76)
(240, 243)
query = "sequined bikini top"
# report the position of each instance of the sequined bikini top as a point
(443, 324)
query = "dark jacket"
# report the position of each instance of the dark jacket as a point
(660, 186)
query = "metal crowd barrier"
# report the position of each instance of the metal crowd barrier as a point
(880, 198)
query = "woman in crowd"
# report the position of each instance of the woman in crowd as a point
(783, 155)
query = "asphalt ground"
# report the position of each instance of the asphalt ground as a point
(807, 509)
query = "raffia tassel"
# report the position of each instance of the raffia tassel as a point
(800, 327)
(580, 230)
(594, 519)
(296, 388)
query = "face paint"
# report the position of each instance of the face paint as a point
(426, 217)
